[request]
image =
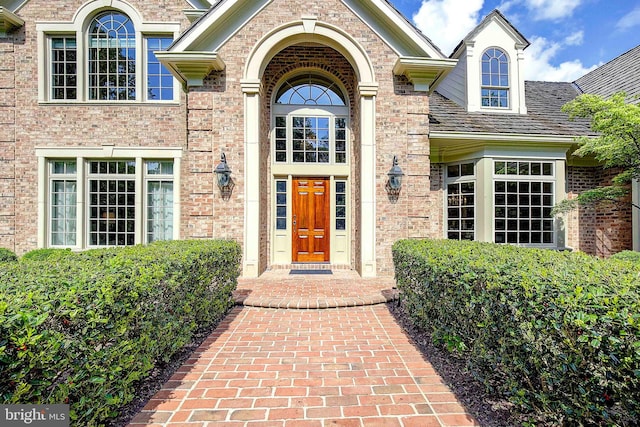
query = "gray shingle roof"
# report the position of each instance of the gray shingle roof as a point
(619, 74)
(544, 102)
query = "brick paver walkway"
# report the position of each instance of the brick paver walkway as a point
(345, 366)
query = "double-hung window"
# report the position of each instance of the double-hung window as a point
(106, 56)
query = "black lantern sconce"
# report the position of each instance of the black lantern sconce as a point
(395, 175)
(223, 175)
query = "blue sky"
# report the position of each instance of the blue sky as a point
(568, 37)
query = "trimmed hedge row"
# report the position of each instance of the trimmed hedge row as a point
(7, 256)
(558, 333)
(84, 328)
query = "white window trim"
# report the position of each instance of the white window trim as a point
(508, 88)
(331, 112)
(527, 178)
(84, 154)
(77, 27)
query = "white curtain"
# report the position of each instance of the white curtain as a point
(159, 210)
(63, 213)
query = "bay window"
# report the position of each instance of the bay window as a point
(460, 201)
(523, 199)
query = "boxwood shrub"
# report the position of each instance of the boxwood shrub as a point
(7, 255)
(84, 328)
(557, 333)
(42, 254)
(631, 256)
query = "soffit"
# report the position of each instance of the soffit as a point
(9, 21)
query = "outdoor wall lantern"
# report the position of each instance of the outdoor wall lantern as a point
(395, 175)
(223, 174)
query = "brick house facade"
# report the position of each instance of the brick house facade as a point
(115, 114)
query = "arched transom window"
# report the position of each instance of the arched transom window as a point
(310, 90)
(112, 57)
(495, 79)
(310, 122)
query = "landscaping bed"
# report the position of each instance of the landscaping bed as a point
(557, 334)
(87, 328)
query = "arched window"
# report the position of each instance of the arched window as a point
(310, 90)
(495, 79)
(112, 57)
(310, 114)
(106, 55)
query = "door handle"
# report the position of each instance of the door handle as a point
(294, 223)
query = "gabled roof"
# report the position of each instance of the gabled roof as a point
(498, 17)
(619, 74)
(197, 51)
(544, 117)
(380, 15)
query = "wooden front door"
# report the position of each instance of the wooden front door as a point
(311, 220)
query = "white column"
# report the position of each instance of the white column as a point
(484, 200)
(368, 178)
(251, 250)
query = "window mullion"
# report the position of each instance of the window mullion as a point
(82, 212)
(141, 65)
(140, 201)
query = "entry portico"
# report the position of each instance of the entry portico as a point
(346, 214)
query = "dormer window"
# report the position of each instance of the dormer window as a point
(495, 79)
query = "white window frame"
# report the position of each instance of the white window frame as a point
(162, 178)
(492, 87)
(552, 179)
(460, 180)
(83, 155)
(330, 112)
(78, 28)
(60, 177)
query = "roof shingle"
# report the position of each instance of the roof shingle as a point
(544, 117)
(620, 74)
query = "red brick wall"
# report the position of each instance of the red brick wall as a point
(603, 229)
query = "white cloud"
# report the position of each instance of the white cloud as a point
(552, 9)
(446, 22)
(630, 20)
(574, 39)
(538, 64)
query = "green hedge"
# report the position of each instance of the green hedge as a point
(85, 328)
(631, 256)
(558, 333)
(7, 256)
(47, 253)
